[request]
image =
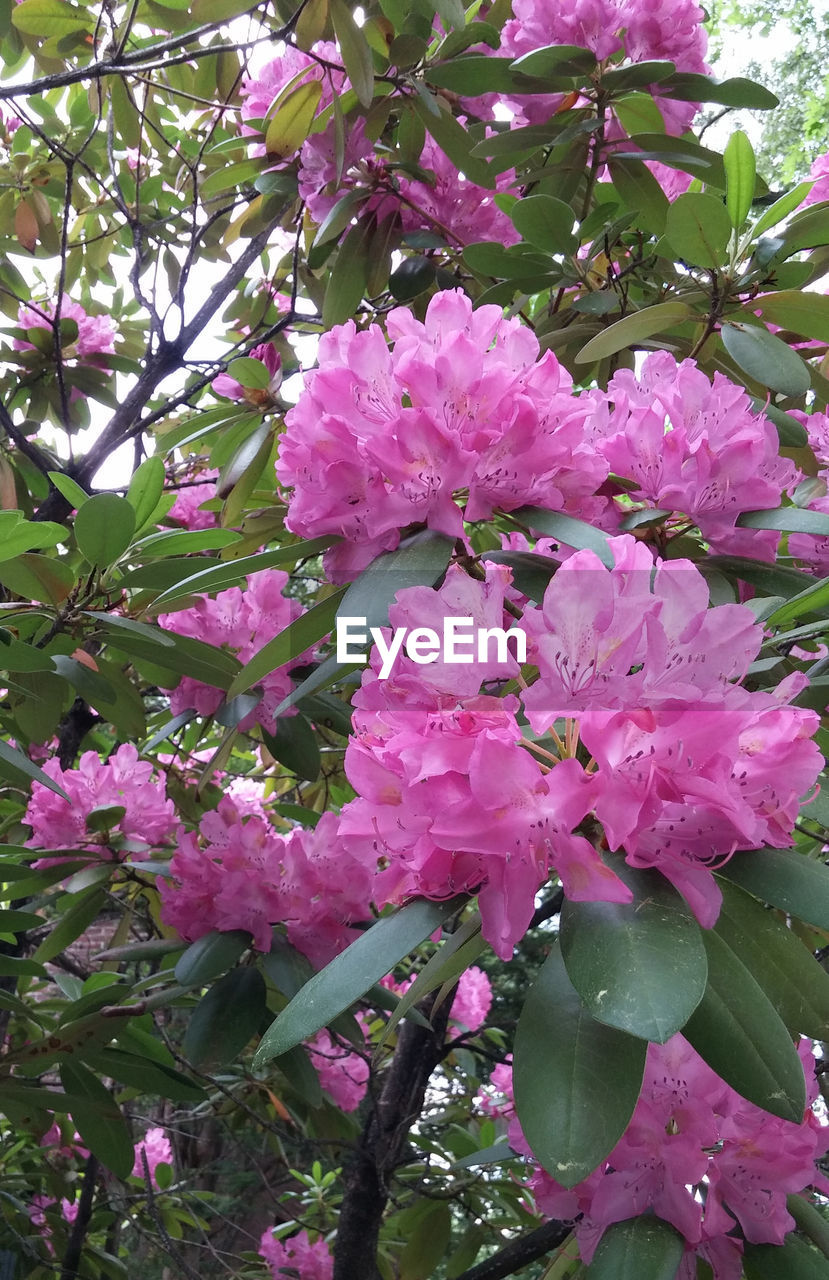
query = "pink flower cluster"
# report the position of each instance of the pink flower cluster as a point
(96, 334)
(382, 438)
(685, 766)
(156, 1146)
(808, 547)
(473, 999)
(460, 417)
(297, 1256)
(123, 780)
(819, 173)
(343, 1073)
(242, 621)
(240, 873)
(691, 1129)
(186, 510)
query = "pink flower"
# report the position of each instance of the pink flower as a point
(473, 999)
(124, 782)
(297, 1256)
(96, 333)
(496, 1097)
(343, 1073)
(186, 510)
(155, 1145)
(819, 173)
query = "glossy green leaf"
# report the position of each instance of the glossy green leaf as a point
(231, 573)
(140, 1073)
(250, 373)
(411, 278)
(45, 18)
(474, 74)
(295, 746)
(803, 313)
(104, 526)
(640, 191)
(426, 1242)
(36, 577)
(291, 122)
(740, 1034)
(456, 143)
(88, 683)
(567, 529)
(638, 112)
(794, 1259)
(787, 519)
(553, 60)
(145, 489)
(807, 230)
(70, 489)
(349, 276)
(764, 357)
(352, 973)
(632, 330)
(698, 228)
(789, 880)
(225, 1019)
(789, 431)
(355, 51)
(30, 535)
(781, 208)
(639, 966)
(98, 1118)
(740, 177)
(679, 153)
(569, 1116)
(17, 768)
(813, 600)
(546, 223)
(778, 960)
(72, 923)
(420, 561)
(211, 955)
(174, 542)
(736, 92)
(641, 1248)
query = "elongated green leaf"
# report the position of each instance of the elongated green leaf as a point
(786, 879)
(355, 52)
(226, 1018)
(145, 489)
(453, 956)
(740, 1034)
(781, 208)
(349, 276)
(740, 177)
(36, 577)
(789, 431)
(813, 600)
(71, 924)
(783, 967)
(302, 634)
(633, 329)
(176, 542)
(232, 573)
(419, 561)
(767, 359)
(291, 123)
(552, 60)
(89, 684)
(640, 191)
(698, 229)
(186, 656)
(804, 313)
(570, 1118)
(210, 955)
(104, 527)
(18, 769)
(545, 222)
(569, 530)
(737, 92)
(30, 535)
(98, 1119)
(794, 1259)
(295, 746)
(426, 1242)
(352, 973)
(639, 966)
(46, 18)
(140, 1073)
(787, 519)
(679, 153)
(642, 1248)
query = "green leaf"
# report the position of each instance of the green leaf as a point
(767, 359)
(413, 277)
(240, 174)
(679, 153)
(640, 191)
(545, 222)
(231, 573)
(349, 276)
(740, 177)
(178, 541)
(36, 577)
(30, 535)
(456, 143)
(452, 958)
(531, 573)
(804, 313)
(639, 966)
(71, 924)
(789, 431)
(475, 74)
(786, 519)
(98, 1119)
(767, 579)
(794, 1259)
(89, 684)
(737, 92)
(226, 1019)
(632, 330)
(807, 230)
(642, 1248)
(185, 657)
(781, 208)
(104, 527)
(71, 491)
(49, 18)
(569, 1116)
(553, 60)
(291, 123)
(250, 373)
(740, 1034)
(145, 489)
(17, 768)
(813, 600)
(211, 955)
(791, 881)
(295, 746)
(419, 561)
(638, 112)
(783, 967)
(698, 229)
(352, 973)
(426, 1240)
(567, 529)
(355, 51)
(139, 1073)
(302, 634)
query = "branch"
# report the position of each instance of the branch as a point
(515, 1255)
(21, 443)
(74, 1249)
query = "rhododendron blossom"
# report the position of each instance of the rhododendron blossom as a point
(343, 1072)
(689, 1126)
(241, 621)
(260, 398)
(473, 999)
(382, 438)
(186, 510)
(123, 783)
(155, 1146)
(96, 333)
(296, 1257)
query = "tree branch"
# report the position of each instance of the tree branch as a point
(518, 1253)
(74, 1249)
